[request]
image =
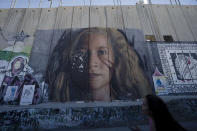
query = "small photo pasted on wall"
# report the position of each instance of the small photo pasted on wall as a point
(96, 64)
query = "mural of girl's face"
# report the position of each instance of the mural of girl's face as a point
(101, 59)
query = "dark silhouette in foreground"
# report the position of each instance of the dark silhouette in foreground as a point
(160, 118)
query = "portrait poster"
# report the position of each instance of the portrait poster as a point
(27, 95)
(160, 83)
(10, 93)
(14, 56)
(98, 64)
(183, 65)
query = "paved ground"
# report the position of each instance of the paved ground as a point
(189, 126)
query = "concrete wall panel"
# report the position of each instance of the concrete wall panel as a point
(80, 17)
(97, 17)
(31, 20)
(77, 14)
(63, 21)
(85, 19)
(14, 21)
(191, 17)
(29, 26)
(44, 27)
(131, 17)
(180, 24)
(64, 18)
(164, 22)
(114, 17)
(3, 16)
(12, 26)
(144, 20)
(47, 19)
(43, 39)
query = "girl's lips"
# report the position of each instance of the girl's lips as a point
(93, 75)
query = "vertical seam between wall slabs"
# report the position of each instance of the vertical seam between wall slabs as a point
(150, 22)
(6, 24)
(8, 18)
(173, 26)
(21, 23)
(49, 54)
(88, 46)
(140, 20)
(36, 30)
(67, 83)
(105, 12)
(106, 29)
(19, 29)
(53, 32)
(18, 32)
(142, 16)
(124, 30)
(155, 23)
(195, 9)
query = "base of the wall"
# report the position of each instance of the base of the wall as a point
(89, 115)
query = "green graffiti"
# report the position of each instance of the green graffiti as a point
(8, 55)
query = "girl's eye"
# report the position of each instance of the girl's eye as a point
(102, 52)
(83, 50)
(80, 51)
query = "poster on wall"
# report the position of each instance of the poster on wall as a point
(160, 83)
(185, 65)
(96, 64)
(12, 45)
(179, 62)
(27, 95)
(10, 93)
(14, 64)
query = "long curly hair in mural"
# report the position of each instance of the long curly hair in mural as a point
(95, 64)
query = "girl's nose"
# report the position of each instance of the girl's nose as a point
(93, 59)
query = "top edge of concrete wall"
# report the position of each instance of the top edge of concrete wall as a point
(110, 6)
